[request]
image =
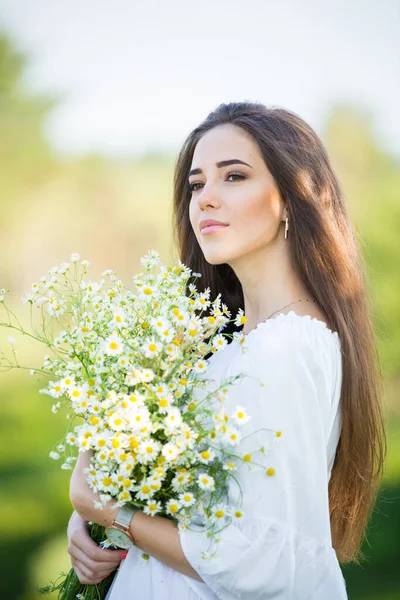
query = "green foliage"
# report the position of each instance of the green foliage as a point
(68, 586)
(25, 154)
(371, 181)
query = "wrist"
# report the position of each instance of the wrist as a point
(119, 532)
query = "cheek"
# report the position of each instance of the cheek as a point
(192, 217)
(256, 222)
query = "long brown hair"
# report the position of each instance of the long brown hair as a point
(325, 254)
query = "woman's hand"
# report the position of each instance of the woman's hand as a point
(83, 498)
(90, 562)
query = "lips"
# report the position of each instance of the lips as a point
(211, 222)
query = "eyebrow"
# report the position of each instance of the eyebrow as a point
(222, 163)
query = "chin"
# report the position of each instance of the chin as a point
(216, 258)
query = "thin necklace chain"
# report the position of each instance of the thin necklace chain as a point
(303, 300)
(290, 304)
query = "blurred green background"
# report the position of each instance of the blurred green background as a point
(112, 212)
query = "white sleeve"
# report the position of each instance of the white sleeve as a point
(283, 548)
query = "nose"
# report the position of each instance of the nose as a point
(207, 196)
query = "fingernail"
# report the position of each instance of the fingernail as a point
(105, 576)
(124, 555)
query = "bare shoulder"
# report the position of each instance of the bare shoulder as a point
(313, 310)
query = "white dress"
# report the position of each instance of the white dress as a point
(283, 548)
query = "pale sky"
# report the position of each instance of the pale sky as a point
(138, 75)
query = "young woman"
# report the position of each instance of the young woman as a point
(285, 251)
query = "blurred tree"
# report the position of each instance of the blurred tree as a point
(25, 154)
(371, 181)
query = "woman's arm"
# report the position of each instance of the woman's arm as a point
(157, 536)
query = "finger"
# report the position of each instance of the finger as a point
(84, 576)
(94, 551)
(79, 556)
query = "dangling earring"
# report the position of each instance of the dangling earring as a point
(286, 227)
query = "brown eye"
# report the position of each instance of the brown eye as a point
(192, 186)
(240, 175)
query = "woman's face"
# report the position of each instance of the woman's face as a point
(244, 196)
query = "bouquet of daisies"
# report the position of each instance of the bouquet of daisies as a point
(130, 366)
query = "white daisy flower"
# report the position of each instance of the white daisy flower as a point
(205, 481)
(126, 484)
(84, 441)
(219, 514)
(137, 417)
(240, 318)
(152, 347)
(229, 466)
(113, 346)
(101, 440)
(143, 492)
(77, 393)
(123, 497)
(151, 259)
(170, 451)
(75, 257)
(148, 375)
(106, 484)
(117, 421)
(237, 515)
(123, 361)
(81, 405)
(152, 508)
(134, 399)
(71, 439)
(102, 457)
(187, 499)
(172, 506)
(149, 450)
(126, 467)
(240, 416)
(200, 366)
(180, 481)
(179, 317)
(173, 419)
(231, 435)
(133, 377)
(206, 456)
(54, 455)
(68, 382)
(154, 483)
(56, 390)
(193, 328)
(160, 323)
(147, 292)
(119, 319)
(219, 342)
